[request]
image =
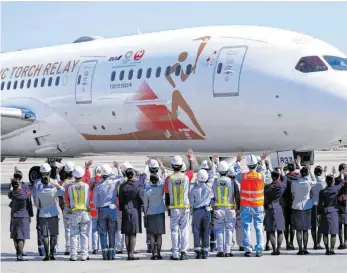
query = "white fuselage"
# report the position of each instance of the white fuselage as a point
(256, 100)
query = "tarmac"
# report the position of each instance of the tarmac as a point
(288, 262)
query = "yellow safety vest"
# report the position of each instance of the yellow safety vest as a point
(224, 202)
(178, 197)
(79, 199)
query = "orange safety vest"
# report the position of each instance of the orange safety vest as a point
(93, 210)
(252, 189)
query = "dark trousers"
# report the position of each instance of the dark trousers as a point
(107, 227)
(201, 229)
(40, 245)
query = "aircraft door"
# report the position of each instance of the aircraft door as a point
(84, 80)
(227, 74)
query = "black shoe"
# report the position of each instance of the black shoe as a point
(259, 254)
(247, 254)
(292, 247)
(241, 248)
(174, 259)
(153, 258)
(40, 252)
(24, 255)
(229, 254)
(315, 247)
(278, 253)
(21, 259)
(89, 258)
(274, 253)
(66, 253)
(72, 260)
(327, 252)
(95, 251)
(46, 258)
(133, 258)
(220, 254)
(79, 252)
(320, 247)
(183, 256)
(306, 252)
(119, 252)
(159, 257)
(198, 255)
(341, 247)
(267, 248)
(300, 252)
(332, 252)
(51, 257)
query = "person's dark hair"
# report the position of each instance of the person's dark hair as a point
(54, 172)
(318, 171)
(45, 180)
(329, 180)
(62, 174)
(129, 173)
(342, 166)
(177, 168)
(304, 171)
(154, 178)
(275, 175)
(291, 167)
(15, 184)
(18, 175)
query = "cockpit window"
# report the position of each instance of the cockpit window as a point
(336, 63)
(311, 64)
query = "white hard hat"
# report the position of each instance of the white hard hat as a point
(184, 167)
(45, 168)
(204, 165)
(125, 165)
(231, 172)
(106, 169)
(69, 166)
(223, 166)
(251, 160)
(177, 160)
(78, 172)
(153, 163)
(202, 175)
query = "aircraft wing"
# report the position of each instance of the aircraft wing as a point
(13, 119)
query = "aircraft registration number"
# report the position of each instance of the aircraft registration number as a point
(120, 85)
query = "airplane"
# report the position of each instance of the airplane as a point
(217, 89)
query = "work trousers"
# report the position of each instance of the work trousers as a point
(201, 229)
(79, 227)
(95, 234)
(255, 215)
(239, 232)
(179, 225)
(107, 226)
(224, 225)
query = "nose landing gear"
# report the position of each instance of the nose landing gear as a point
(35, 174)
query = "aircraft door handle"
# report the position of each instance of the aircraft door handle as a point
(228, 71)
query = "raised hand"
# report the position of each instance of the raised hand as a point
(147, 161)
(298, 160)
(264, 155)
(215, 158)
(88, 164)
(161, 165)
(190, 154)
(239, 157)
(115, 164)
(325, 169)
(333, 171)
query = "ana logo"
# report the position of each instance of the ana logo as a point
(139, 54)
(117, 58)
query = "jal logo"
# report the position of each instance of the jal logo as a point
(139, 54)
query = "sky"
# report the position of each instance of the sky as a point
(27, 25)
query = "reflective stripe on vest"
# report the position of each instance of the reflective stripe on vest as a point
(178, 197)
(79, 199)
(252, 189)
(223, 203)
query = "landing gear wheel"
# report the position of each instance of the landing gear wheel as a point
(34, 174)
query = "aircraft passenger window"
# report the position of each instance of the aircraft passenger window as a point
(311, 64)
(121, 75)
(157, 72)
(139, 73)
(50, 81)
(130, 75)
(15, 85)
(149, 72)
(57, 80)
(167, 71)
(188, 69)
(9, 85)
(43, 82)
(2, 85)
(113, 76)
(36, 82)
(22, 84)
(28, 83)
(219, 68)
(178, 70)
(336, 63)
